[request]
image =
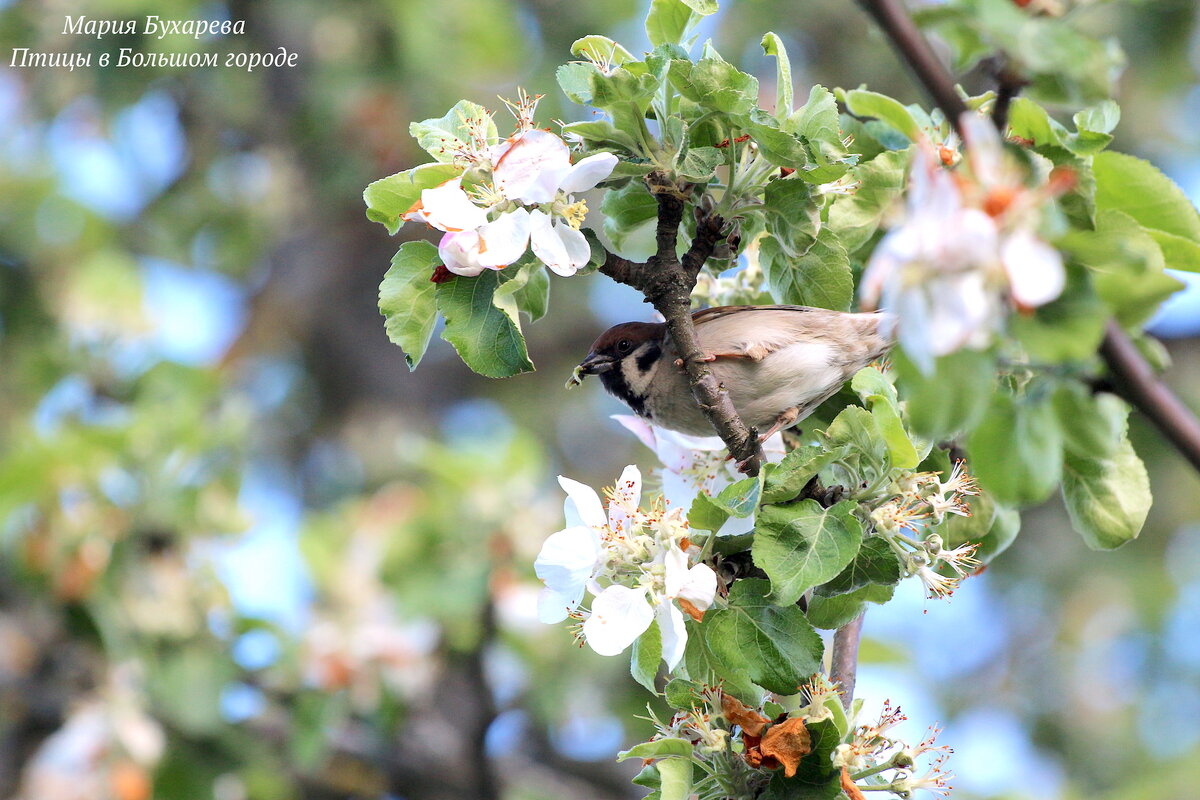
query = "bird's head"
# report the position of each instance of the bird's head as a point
(629, 340)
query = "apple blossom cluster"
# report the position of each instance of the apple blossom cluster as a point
(882, 762)
(967, 252)
(636, 563)
(924, 499)
(514, 195)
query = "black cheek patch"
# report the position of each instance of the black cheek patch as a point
(614, 381)
(647, 359)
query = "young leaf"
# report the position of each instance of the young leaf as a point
(875, 562)
(1107, 499)
(829, 612)
(406, 299)
(675, 775)
(659, 748)
(818, 120)
(785, 480)
(775, 646)
(487, 337)
(601, 49)
(716, 85)
(772, 45)
(880, 396)
(445, 137)
(668, 22)
(856, 217)
(647, 652)
(529, 288)
(819, 277)
(949, 401)
(803, 545)
(388, 198)
(1093, 425)
(862, 103)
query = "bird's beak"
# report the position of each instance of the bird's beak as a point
(596, 363)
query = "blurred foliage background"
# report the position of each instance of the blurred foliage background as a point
(245, 554)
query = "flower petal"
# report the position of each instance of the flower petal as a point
(532, 168)
(699, 587)
(626, 496)
(505, 240)
(674, 633)
(448, 208)
(568, 559)
(555, 251)
(1035, 269)
(583, 505)
(619, 615)
(588, 172)
(579, 252)
(556, 606)
(459, 251)
(643, 430)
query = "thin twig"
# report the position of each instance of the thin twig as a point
(667, 281)
(843, 666)
(1130, 372)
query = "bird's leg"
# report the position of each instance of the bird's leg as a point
(782, 421)
(709, 357)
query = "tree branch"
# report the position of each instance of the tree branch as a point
(1131, 374)
(667, 281)
(843, 664)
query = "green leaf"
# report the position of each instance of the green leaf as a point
(785, 480)
(818, 120)
(602, 133)
(445, 137)
(818, 277)
(992, 526)
(668, 22)
(648, 777)
(834, 611)
(862, 103)
(880, 396)
(660, 748)
(791, 214)
(775, 646)
(647, 652)
(702, 7)
(1137, 188)
(1016, 451)
(487, 337)
(1126, 264)
(626, 210)
(406, 299)
(698, 164)
(802, 545)
(1092, 424)
(388, 198)
(950, 400)
(772, 45)
(1028, 120)
(875, 562)
(529, 288)
(1107, 499)
(736, 500)
(676, 777)
(681, 693)
(601, 49)
(700, 665)
(856, 217)
(716, 85)
(1068, 329)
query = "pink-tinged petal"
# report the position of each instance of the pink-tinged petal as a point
(675, 569)
(626, 496)
(619, 616)
(1035, 269)
(568, 559)
(674, 633)
(547, 244)
(588, 172)
(460, 253)
(984, 149)
(643, 430)
(555, 606)
(505, 240)
(531, 169)
(582, 506)
(448, 208)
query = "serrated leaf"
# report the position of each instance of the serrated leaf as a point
(834, 611)
(1016, 451)
(863, 103)
(1138, 188)
(1107, 499)
(785, 480)
(444, 137)
(818, 120)
(407, 299)
(772, 45)
(803, 545)
(875, 562)
(487, 337)
(775, 646)
(715, 84)
(819, 277)
(700, 163)
(856, 217)
(388, 198)
(681, 693)
(792, 216)
(647, 652)
(880, 396)
(668, 22)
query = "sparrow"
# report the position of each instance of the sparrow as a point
(778, 363)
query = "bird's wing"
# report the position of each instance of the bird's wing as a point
(757, 331)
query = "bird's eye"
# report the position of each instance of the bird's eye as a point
(624, 346)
